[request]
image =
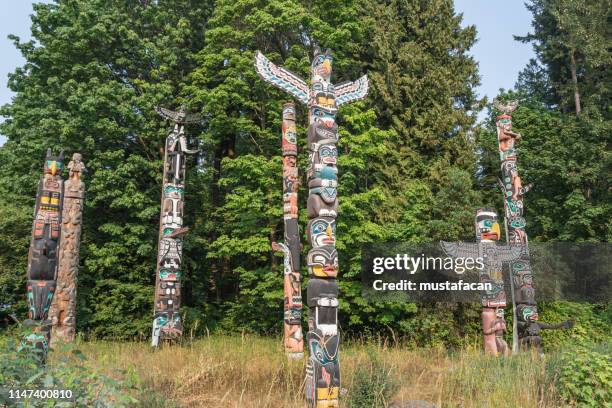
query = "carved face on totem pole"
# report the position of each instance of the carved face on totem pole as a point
(487, 227)
(321, 65)
(323, 194)
(321, 231)
(527, 313)
(323, 262)
(53, 164)
(320, 132)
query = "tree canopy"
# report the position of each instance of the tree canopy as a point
(414, 164)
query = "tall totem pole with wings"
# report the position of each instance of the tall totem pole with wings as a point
(527, 328)
(167, 323)
(493, 256)
(323, 99)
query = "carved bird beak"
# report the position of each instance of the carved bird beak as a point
(330, 231)
(327, 66)
(53, 168)
(495, 229)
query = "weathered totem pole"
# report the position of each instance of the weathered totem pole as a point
(527, 328)
(323, 99)
(44, 252)
(167, 323)
(493, 256)
(291, 248)
(63, 309)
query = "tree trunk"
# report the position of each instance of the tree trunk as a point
(575, 81)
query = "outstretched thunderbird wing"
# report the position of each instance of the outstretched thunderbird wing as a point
(167, 113)
(506, 253)
(352, 91)
(281, 78)
(460, 249)
(179, 117)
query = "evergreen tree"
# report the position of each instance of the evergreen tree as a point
(94, 72)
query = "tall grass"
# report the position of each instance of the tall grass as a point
(251, 371)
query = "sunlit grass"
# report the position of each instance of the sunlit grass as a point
(251, 371)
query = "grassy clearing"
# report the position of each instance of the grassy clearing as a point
(251, 371)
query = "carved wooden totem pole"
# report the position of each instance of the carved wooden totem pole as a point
(63, 309)
(323, 99)
(167, 323)
(493, 256)
(294, 339)
(526, 331)
(44, 252)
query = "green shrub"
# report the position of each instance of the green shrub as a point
(584, 375)
(66, 369)
(373, 386)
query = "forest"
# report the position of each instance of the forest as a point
(414, 160)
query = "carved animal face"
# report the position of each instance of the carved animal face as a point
(529, 313)
(53, 164)
(323, 116)
(504, 122)
(322, 231)
(319, 132)
(322, 64)
(323, 261)
(328, 154)
(487, 227)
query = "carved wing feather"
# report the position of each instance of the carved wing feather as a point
(510, 253)
(460, 249)
(166, 113)
(352, 91)
(281, 78)
(192, 118)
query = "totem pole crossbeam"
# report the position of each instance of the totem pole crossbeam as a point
(167, 323)
(323, 99)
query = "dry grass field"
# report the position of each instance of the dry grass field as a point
(252, 372)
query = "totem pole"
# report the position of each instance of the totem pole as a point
(323, 99)
(493, 257)
(294, 339)
(63, 309)
(43, 253)
(167, 323)
(526, 331)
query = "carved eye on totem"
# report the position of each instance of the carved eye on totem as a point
(328, 153)
(317, 87)
(321, 227)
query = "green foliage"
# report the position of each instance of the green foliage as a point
(591, 321)
(584, 375)
(373, 385)
(96, 69)
(66, 370)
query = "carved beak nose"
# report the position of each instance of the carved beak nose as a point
(327, 66)
(329, 231)
(53, 168)
(496, 230)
